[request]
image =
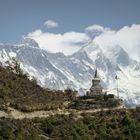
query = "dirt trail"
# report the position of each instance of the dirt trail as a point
(15, 114)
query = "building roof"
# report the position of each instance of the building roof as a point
(96, 76)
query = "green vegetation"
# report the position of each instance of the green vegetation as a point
(110, 125)
(71, 94)
(17, 91)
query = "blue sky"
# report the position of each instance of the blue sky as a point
(20, 17)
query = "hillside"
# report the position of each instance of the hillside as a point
(77, 70)
(110, 125)
(17, 91)
(34, 113)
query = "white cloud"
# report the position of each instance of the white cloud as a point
(96, 28)
(127, 37)
(51, 24)
(67, 43)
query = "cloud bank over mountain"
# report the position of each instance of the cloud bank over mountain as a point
(68, 43)
(128, 37)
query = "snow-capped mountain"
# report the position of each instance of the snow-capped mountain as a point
(57, 71)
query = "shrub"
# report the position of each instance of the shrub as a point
(126, 120)
(103, 133)
(34, 81)
(71, 94)
(4, 91)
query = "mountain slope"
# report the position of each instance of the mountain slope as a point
(57, 71)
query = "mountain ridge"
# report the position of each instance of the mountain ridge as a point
(58, 71)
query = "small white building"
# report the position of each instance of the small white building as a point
(96, 88)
